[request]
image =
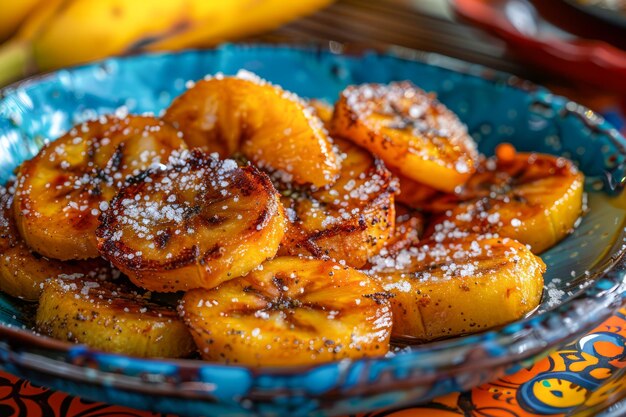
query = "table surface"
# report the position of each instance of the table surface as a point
(582, 378)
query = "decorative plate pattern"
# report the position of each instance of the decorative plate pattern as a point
(585, 282)
(585, 375)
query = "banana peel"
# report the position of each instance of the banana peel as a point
(68, 32)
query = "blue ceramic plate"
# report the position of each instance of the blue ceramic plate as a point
(584, 278)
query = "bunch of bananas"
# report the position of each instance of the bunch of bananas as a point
(41, 35)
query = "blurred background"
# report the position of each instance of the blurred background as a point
(575, 47)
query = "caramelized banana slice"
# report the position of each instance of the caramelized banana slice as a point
(195, 224)
(410, 130)
(459, 285)
(111, 317)
(61, 191)
(23, 272)
(350, 220)
(292, 311)
(271, 127)
(533, 198)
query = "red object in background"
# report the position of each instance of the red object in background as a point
(591, 62)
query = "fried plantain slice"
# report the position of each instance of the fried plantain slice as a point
(348, 221)
(195, 224)
(271, 127)
(61, 191)
(533, 198)
(22, 271)
(292, 311)
(409, 130)
(459, 284)
(110, 316)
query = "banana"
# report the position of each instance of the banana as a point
(244, 18)
(348, 221)
(410, 130)
(272, 128)
(68, 33)
(23, 272)
(110, 316)
(292, 311)
(61, 191)
(533, 198)
(13, 14)
(15, 53)
(196, 224)
(459, 284)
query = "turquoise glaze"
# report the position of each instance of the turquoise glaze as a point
(584, 279)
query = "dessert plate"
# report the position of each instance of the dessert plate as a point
(584, 282)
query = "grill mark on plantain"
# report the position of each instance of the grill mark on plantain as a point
(339, 229)
(215, 252)
(115, 162)
(163, 239)
(82, 221)
(191, 212)
(262, 219)
(214, 220)
(379, 297)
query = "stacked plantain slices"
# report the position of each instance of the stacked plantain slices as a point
(278, 242)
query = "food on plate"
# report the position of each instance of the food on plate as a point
(410, 130)
(61, 192)
(451, 285)
(533, 198)
(292, 311)
(22, 271)
(272, 128)
(196, 223)
(112, 317)
(350, 220)
(303, 248)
